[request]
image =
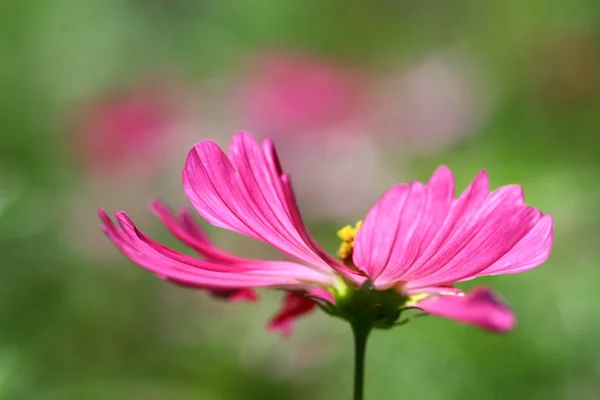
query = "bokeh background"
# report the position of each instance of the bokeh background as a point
(100, 101)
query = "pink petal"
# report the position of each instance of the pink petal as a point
(532, 250)
(401, 227)
(500, 225)
(188, 271)
(190, 233)
(383, 242)
(187, 231)
(249, 194)
(294, 306)
(419, 236)
(480, 308)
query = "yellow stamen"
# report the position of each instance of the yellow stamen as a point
(415, 298)
(347, 234)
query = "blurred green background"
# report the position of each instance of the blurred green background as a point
(78, 321)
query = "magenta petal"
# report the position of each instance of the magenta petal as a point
(480, 307)
(188, 232)
(294, 306)
(532, 250)
(501, 227)
(459, 215)
(420, 236)
(402, 226)
(383, 241)
(248, 193)
(188, 271)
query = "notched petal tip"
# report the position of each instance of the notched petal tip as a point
(481, 307)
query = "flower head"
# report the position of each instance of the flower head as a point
(415, 243)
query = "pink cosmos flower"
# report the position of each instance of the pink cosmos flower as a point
(415, 243)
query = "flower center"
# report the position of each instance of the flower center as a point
(377, 308)
(347, 234)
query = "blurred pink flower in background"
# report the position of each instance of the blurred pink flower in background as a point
(124, 131)
(285, 92)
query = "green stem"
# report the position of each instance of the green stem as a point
(361, 333)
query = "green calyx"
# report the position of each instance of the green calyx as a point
(367, 306)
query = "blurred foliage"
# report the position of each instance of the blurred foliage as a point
(78, 327)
